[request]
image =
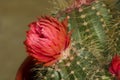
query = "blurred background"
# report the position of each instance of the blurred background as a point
(15, 15)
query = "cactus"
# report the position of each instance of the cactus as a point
(95, 39)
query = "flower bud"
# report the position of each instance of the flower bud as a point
(115, 66)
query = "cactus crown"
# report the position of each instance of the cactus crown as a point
(95, 39)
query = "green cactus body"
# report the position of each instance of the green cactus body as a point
(86, 58)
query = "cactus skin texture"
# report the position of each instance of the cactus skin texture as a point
(95, 38)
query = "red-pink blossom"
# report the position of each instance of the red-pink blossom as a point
(46, 39)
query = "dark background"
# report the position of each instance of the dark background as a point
(15, 15)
